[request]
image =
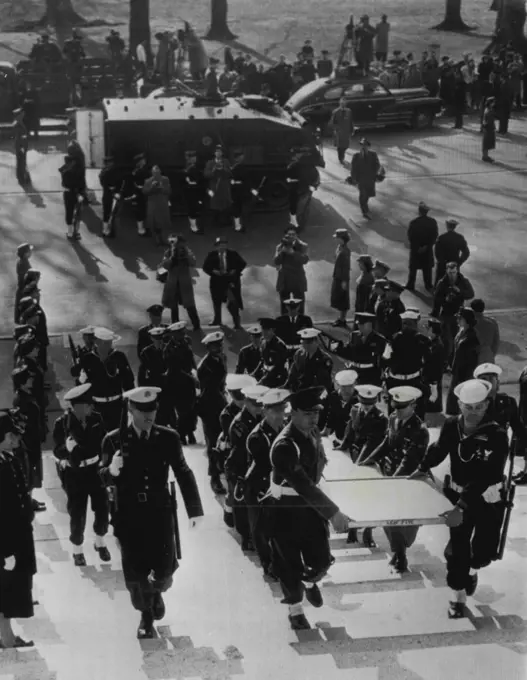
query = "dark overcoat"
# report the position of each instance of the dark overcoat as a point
(225, 285)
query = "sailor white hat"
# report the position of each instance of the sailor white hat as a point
(254, 392)
(292, 300)
(177, 326)
(236, 381)
(472, 391)
(77, 392)
(411, 314)
(142, 396)
(368, 392)
(274, 397)
(157, 331)
(89, 330)
(346, 378)
(405, 394)
(308, 333)
(105, 334)
(216, 336)
(487, 369)
(254, 330)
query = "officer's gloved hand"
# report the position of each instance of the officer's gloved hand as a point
(340, 522)
(70, 444)
(116, 464)
(10, 563)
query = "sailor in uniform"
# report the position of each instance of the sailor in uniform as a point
(339, 405)
(364, 350)
(250, 356)
(272, 370)
(288, 325)
(311, 365)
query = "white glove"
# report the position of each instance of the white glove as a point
(433, 393)
(70, 444)
(254, 192)
(116, 464)
(63, 464)
(195, 522)
(10, 563)
(387, 352)
(83, 377)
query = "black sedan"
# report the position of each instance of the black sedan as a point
(372, 104)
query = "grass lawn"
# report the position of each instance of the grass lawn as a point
(272, 26)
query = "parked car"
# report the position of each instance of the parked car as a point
(373, 105)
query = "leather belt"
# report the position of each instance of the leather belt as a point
(106, 400)
(491, 495)
(84, 463)
(354, 364)
(409, 376)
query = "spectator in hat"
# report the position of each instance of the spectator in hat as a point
(179, 261)
(382, 32)
(219, 175)
(364, 36)
(307, 49)
(340, 286)
(365, 169)
(225, 268)
(365, 282)
(451, 246)
(435, 367)
(23, 264)
(324, 65)
(422, 236)
(488, 127)
(157, 191)
(288, 325)
(250, 356)
(465, 356)
(342, 123)
(290, 258)
(488, 332)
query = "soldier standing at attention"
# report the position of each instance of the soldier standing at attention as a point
(300, 543)
(212, 372)
(155, 314)
(250, 356)
(422, 236)
(77, 441)
(139, 176)
(21, 137)
(194, 190)
(477, 448)
(88, 339)
(434, 368)
(399, 455)
(111, 183)
(311, 365)
(136, 461)
(364, 350)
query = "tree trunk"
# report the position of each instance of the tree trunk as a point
(61, 13)
(218, 22)
(452, 20)
(139, 27)
(510, 24)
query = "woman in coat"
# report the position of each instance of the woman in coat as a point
(466, 357)
(340, 286)
(290, 258)
(157, 191)
(179, 287)
(488, 127)
(365, 282)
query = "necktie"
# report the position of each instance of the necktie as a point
(143, 436)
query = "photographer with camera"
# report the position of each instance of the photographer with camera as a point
(290, 258)
(179, 260)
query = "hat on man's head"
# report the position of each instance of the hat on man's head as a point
(12, 421)
(18, 111)
(292, 300)
(364, 142)
(410, 315)
(267, 323)
(451, 222)
(435, 325)
(379, 264)
(139, 157)
(473, 391)
(254, 330)
(366, 259)
(105, 335)
(220, 241)
(274, 397)
(235, 382)
(212, 338)
(346, 378)
(395, 287)
(89, 330)
(26, 303)
(31, 288)
(368, 394)
(487, 369)
(308, 333)
(343, 234)
(143, 398)
(468, 315)
(213, 61)
(158, 331)
(24, 329)
(20, 375)
(24, 248)
(308, 400)
(254, 392)
(423, 206)
(80, 394)
(404, 395)
(177, 326)
(364, 317)
(155, 310)
(26, 344)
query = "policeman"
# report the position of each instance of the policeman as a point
(236, 464)
(302, 177)
(272, 371)
(155, 315)
(409, 355)
(212, 372)
(136, 461)
(182, 380)
(301, 554)
(398, 455)
(110, 374)
(434, 368)
(389, 311)
(339, 404)
(477, 448)
(240, 190)
(311, 365)
(257, 479)
(250, 356)
(112, 185)
(139, 176)
(17, 551)
(194, 190)
(73, 174)
(364, 350)
(21, 137)
(77, 441)
(503, 408)
(290, 323)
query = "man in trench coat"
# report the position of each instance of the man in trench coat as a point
(422, 235)
(365, 171)
(225, 267)
(342, 122)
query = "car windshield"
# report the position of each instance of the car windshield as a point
(306, 91)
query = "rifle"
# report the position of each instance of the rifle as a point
(74, 351)
(123, 442)
(508, 493)
(173, 504)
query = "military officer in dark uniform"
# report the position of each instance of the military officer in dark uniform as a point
(21, 137)
(139, 176)
(422, 235)
(258, 477)
(389, 311)
(77, 441)
(241, 193)
(88, 340)
(272, 371)
(136, 462)
(450, 247)
(301, 554)
(194, 190)
(110, 178)
(155, 314)
(434, 368)
(236, 464)
(110, 374)
(73, 178)
(182, 380)
(250, 356)
(302, 177)
(18, 562)
(339, 404)
(409, 355)
(364, 350)
(153, 372)
(521, 477)
(477, 448)
(212, 372)
(288, 325)
(399, 455)
(311, 365)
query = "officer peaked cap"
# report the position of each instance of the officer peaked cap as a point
(80, 394)
(143, 398)
(156, 310)
(308, 400)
